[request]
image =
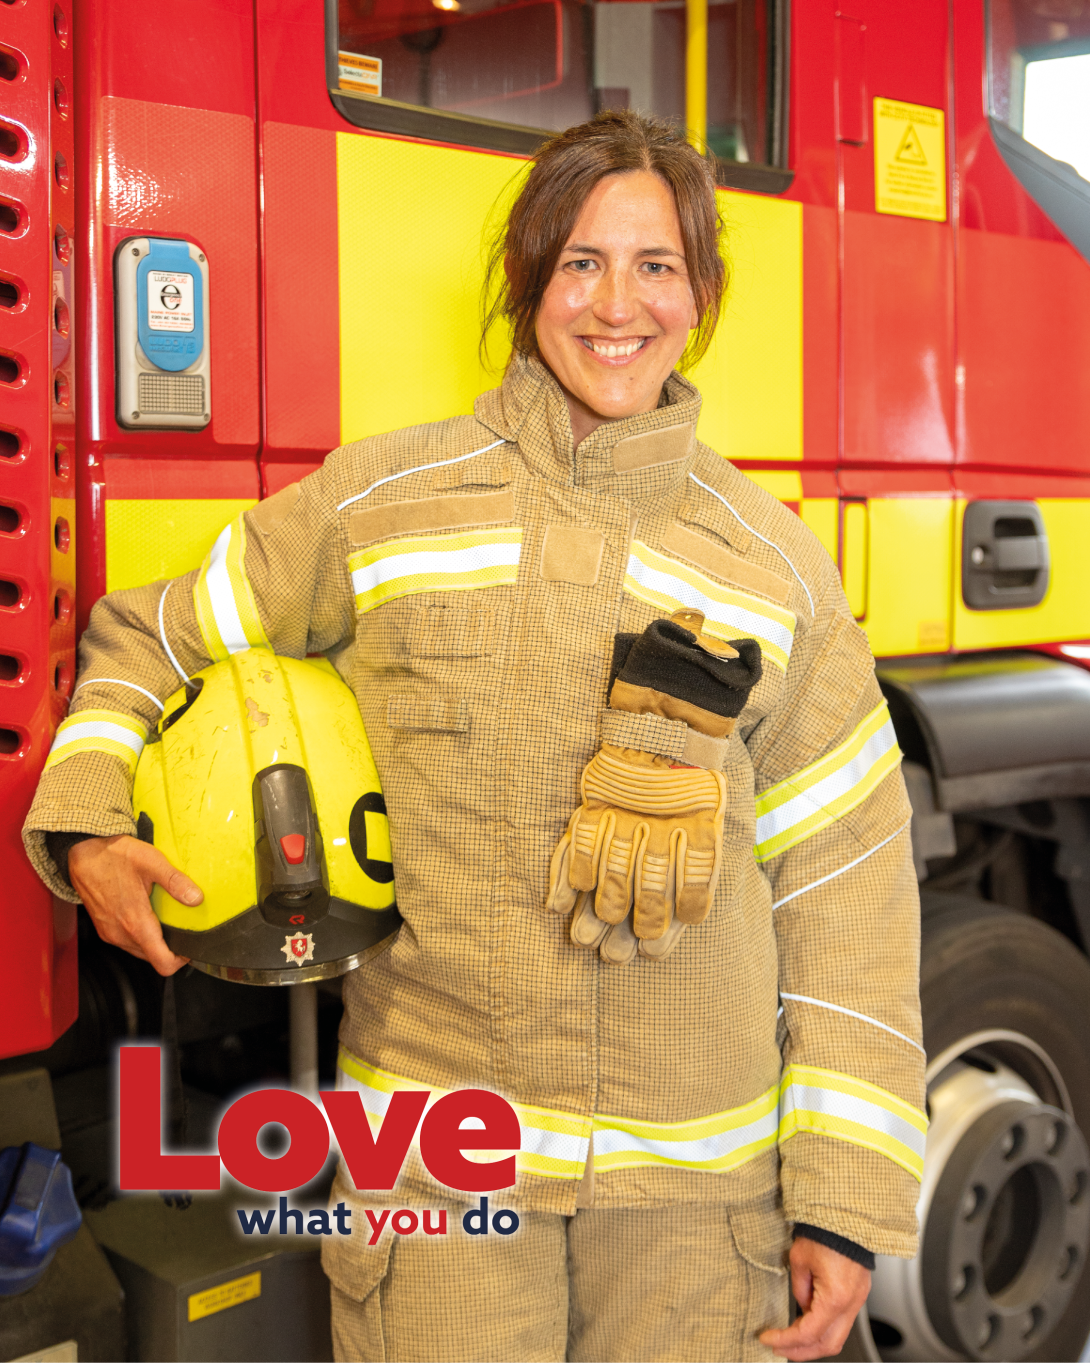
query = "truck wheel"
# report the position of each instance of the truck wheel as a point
(1004, 1207)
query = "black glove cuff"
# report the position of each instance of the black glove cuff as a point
(667, 658)
(58, 845)
(840, 1243)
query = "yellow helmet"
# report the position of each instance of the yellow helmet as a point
(260, 785)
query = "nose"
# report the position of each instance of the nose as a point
(616, 302)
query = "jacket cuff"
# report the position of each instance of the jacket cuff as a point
(840, 1243)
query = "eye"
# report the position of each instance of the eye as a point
(581, 266)
(656, 267)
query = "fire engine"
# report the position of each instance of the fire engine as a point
(235, 235)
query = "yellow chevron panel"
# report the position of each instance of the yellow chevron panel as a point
(411, 220)
(148, 538)
(910, 572)
(751, 377)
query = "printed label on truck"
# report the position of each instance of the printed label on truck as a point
(219, 1298)
(170, 301)
(362, 74)
(909, 160)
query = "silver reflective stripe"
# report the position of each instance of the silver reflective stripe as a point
(851, 1013)
(825, 792)
(704, 1150)
(848, 1107)
(221, 595)
(420, 468)
(552, 1144)
(73, 732)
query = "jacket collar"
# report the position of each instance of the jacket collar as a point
(632, 457)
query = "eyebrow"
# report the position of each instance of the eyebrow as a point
(582, 250)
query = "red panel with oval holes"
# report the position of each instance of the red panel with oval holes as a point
(37, 506)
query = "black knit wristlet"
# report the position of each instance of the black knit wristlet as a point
(58, 845)
(840, 1243)
(666, 657)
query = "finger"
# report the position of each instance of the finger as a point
(137, 931)
(802, 1285)
(801, 1346)
(824, 1325)
(662, 946)
(619, 946)
(697, 876)
(654, 888)
(154, 865)
(588, 831)
(562, 895)
(587, 929)
(616, 872)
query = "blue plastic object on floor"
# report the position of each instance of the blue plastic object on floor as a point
(38, 1214)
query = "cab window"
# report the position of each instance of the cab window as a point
(1039, 75)
(503, 74)
(1039, 104)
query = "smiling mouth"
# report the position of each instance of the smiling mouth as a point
(614, 350)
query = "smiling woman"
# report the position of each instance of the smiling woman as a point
(610, 262)
(648, 830)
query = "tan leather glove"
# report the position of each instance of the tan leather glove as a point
(648, 836)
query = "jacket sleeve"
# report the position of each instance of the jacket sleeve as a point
(276, 578)
(833, 838)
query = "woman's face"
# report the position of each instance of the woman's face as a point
(617, 313)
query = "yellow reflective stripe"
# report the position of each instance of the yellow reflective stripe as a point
(847, 1109)
(224, 600)
(105, 731)
(434, 563)
(800, 806)
(717, 1143)
(667, 585)
(554, 1144)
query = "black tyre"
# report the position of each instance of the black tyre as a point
(1006, 1003)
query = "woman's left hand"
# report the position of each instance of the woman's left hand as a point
(830, 1289)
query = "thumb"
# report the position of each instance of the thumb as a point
(155, 866)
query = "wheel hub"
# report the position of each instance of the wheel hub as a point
(1008, 1228)
(1004, 1211)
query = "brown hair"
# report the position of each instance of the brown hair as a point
(524, 253)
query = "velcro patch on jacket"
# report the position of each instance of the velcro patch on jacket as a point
(105, 731)
(429, 513)
(803, 804)
(713, 558)
(434, 563)
(668, 585)
(654, 447)
(572, 553)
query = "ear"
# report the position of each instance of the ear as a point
(694, 318)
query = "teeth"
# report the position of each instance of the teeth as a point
(611, 352)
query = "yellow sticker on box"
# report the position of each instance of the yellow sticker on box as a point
(909, 160)
(223, 1295)
(359, 73)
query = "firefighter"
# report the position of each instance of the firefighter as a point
(649, 832)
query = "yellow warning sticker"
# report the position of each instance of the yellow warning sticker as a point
(909, 160)
(223, 1295)
(359, 73)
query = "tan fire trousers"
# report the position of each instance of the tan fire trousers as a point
(634, 1285)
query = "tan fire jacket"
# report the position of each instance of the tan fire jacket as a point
(467, 578)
